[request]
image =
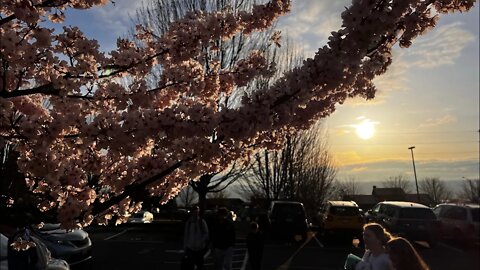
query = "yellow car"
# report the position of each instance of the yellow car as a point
(342, 218)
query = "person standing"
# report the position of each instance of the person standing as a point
(195, 241)
(375, 238)
(223, 240)
(404, 256)
(255, 246)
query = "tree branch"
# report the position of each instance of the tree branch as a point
(98, 207)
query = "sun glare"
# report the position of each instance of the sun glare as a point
(365, 130)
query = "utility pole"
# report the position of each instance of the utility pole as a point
(415, 173)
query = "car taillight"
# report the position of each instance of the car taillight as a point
(329, 218)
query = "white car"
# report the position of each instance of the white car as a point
(75, 246)
(460, 222)
(141, 217)
(45, 260)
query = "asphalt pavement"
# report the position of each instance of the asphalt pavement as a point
(160, 247)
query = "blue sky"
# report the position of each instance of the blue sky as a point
(429, 98)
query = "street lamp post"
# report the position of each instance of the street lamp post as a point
(415, 172)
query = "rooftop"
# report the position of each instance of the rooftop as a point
(405, 204)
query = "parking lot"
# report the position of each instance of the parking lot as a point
(159, 246)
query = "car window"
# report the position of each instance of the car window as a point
(287, 210)
(389, 211)
(457, 213)
(344, 211)
(417, 213)
(382, 208)
(376, 208)
(475, 214)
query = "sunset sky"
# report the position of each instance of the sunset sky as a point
(429, 98)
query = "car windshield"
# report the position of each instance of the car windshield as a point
(344, 211)
(288, 210)
(417, 213)
(476, 214)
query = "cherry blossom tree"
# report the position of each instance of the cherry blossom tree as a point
(90, 147)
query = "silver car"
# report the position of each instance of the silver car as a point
(141, 217)
(74, 246)
(45, 260)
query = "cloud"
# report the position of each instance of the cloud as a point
(359, 169)
(444, 169)
(311, 22)
(117, 17)
(441, 47)
(444, 120)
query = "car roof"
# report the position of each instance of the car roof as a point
(470, 205)
(285, 202)
(343, 203)
(405, 204)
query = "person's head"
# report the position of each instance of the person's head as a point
(254, 226)
(404, 256)
(375, 236)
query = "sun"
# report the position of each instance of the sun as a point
(365, 130)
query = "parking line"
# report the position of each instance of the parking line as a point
(115, 235)
(286, 264)
(318, 241)
(245, 260)
(450, 247)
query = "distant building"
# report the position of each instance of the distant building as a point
(366, 202)
(234, 204)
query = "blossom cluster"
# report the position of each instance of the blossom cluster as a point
(89, 128)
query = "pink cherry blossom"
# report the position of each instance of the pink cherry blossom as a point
(89, 127)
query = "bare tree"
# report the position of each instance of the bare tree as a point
(470, 190)
(349, 186)
(187, 197)
(314, 171)
(398, 181)
(216, 182)
(435, 188)
(218, 195)
(301, 170)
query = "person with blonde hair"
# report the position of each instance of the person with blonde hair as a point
(404, 256)
(375, 258)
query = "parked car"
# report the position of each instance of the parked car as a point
(412, 220)
(75, 246)
(141, 217)
(288, 219)
(341, 217)
(459, 221)
(45, 260)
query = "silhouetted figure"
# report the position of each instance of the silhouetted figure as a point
(255, 246)
(223, 239)
(404, 256)
(195, 241)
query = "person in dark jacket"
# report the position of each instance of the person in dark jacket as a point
(195, 241)
(222, 236)
(255, 246)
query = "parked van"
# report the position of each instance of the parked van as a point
(288, 219)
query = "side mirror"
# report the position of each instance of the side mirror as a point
(369, 212)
